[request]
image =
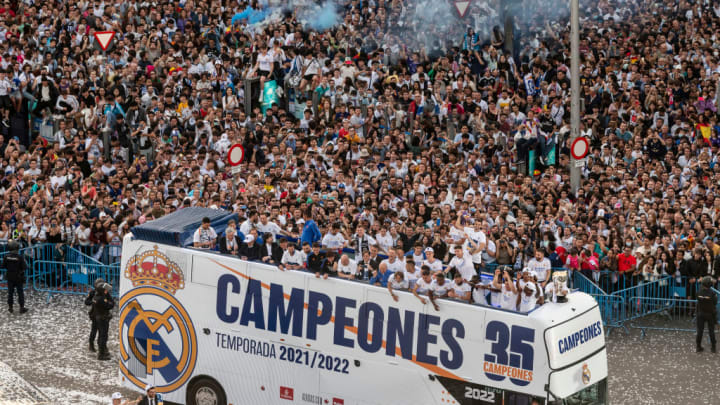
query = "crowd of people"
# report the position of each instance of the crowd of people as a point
(451, 154)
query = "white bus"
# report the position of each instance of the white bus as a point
(208, 329)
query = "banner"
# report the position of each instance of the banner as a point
(269, 95)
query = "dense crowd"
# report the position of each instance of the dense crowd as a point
(452, 149)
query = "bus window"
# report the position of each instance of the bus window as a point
(595, 394)
(513, 398)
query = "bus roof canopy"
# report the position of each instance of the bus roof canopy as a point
(177, 229)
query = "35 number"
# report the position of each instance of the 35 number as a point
(521, 353)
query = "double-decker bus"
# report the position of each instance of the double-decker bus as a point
(210, 329)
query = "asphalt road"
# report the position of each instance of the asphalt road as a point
(47, 348)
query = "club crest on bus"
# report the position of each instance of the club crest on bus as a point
(157, 337)
(585, 374)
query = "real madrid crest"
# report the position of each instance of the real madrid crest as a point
(157, 337)
(585, 374)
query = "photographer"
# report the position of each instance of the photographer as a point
(102, 305)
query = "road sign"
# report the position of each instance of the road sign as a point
(579, 148)
(462, 7)
(580, 163)
(104, 38)
(236, 154)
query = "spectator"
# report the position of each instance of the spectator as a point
(230, 243)
(250, 249)
(205, 236)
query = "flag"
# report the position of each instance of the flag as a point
(269, 95)
(705, 131)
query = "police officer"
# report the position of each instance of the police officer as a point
(707, 313)
(89, 302)
(14, 263)
(102, 304)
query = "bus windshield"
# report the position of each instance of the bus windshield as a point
(595, 394)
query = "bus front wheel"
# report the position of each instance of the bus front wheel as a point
(205, 391)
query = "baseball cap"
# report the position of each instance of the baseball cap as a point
(117, 395)
(429, 249)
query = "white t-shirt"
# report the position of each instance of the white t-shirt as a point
(479, 296)
(265, 62)
(270, 227)
(350, 268)
(204, 235)
(385, 242)
(414, 276)
(527, 303)
(297, 258)
(83, 236)
(464, 265)
(477, 237)
(542, 268)
(440, 290)
(423, 286)
(331, 241)
(508, 299)
(462, 289)
(435, 266)
(402, 285)
(395, 266)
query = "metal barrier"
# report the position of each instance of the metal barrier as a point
(74, 278)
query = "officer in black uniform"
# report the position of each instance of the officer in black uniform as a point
(102, 305)
(706, 313)
(91, 313)
(14, 263)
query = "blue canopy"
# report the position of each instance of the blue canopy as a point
(177, 229)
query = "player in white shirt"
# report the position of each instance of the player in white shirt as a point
(479, 291)
(412, 274)
(334, 239)
(266, 226)
(529, 297)
(417, 256)
(462, 263)
(347, 267)
(460, 289)
(557, 290)
(423, 285)
(541, 266)
(508, 291)
(433, 264)
(393, 263)
(439, 288)
(397, 282)
(292, 259)
(475, 242)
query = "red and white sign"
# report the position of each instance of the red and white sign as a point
(236, 154)
(104, 38)
(462, 7)
(579, 148)
(287, 393)
(338, 401)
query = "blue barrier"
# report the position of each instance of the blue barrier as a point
(74, 278)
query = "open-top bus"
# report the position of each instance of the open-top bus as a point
(210, 329)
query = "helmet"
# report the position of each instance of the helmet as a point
(707, 281)
(99, 282)
(107, 287)
(13, 246)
